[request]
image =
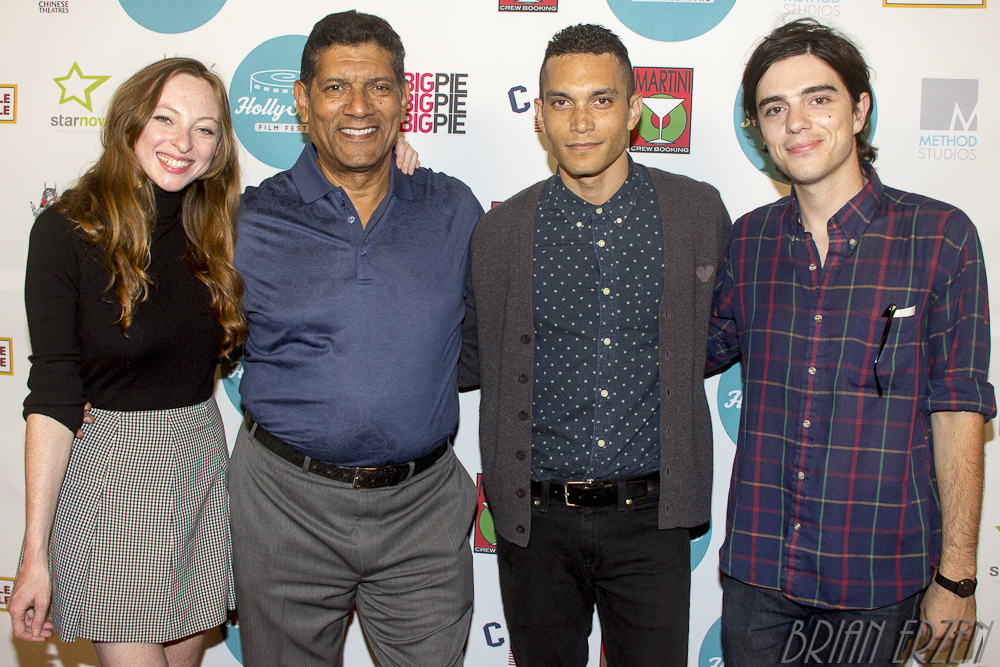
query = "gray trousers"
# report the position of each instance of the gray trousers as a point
(307, 549)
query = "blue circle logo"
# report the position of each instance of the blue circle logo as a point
(263, 104)
(673, 21)
(232, 373)
(753, 145)
(174, 16)
(730, 397)
(699, 547)
(710, 654)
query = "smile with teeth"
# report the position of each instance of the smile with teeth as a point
(172, 163)
(357, 133)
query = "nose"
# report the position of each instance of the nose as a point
(358, 103)
(183, 139)
(797, 119)
(581, 120)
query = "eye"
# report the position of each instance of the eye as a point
(821, 100)
(207, 131)
(773, 111)
(162, 119)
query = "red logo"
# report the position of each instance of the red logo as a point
(665, 123)
(529, 5)
(486, 534)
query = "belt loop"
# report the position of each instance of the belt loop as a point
(622, 495)
(305, 464)
(253, 428)
(412, 471)
(544, 506)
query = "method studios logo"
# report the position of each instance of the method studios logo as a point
(671, 20)
(665, 123)
(529, 5)
(485, 533)
(263, 105)
(949, 119)
(174, 16)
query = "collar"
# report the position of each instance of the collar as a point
(853, 218)
(622, 201)
(312, 184)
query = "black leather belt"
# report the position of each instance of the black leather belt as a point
(360, 478)
(598, 494)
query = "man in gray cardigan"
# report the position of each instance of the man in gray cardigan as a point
(587, 312)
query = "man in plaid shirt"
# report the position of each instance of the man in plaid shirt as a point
(860, 315)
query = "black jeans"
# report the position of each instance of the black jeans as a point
(615, 557)
(763, 628)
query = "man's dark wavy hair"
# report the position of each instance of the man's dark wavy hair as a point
(810, 37)
(588, 38)
(351, 29)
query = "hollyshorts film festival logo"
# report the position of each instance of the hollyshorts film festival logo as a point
(753, 145)
(671, 20)
(8, 103)
(80, 90)
(172, 17)
(949, 119)
(437, 103)
(529, 5)
(665, 123)
(263, 104)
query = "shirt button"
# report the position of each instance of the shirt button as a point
(601, 443)
(607, 341)
(853, 242)
(338, 195)
(350, 219)
(619, 221)
(522, 378)
(579, 224)
(812, 267)
(525, 338)
(522, 415)
(599, 210)
(520, 530)
(604, 393)
(806, 423)
(802, 475)
(363, 252)
(812, 370)
(600, 244)
(606, 290)
(520, 455)
(797, 525)
(818, 318)
(520, 493)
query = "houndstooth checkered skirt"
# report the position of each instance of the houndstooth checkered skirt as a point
(140, 548)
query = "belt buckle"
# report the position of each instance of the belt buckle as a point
(357, 475)
(566, 486)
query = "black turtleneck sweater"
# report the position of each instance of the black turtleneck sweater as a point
(167, 357)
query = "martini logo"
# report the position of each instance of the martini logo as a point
(6, 586)
(8, 103)
(263, 105)
(665, 123)
(486, 534)
(53, 6)
(710, 654)
(436, 103)
(730, 397)
(174, 16)
(529, 5)
(671, 20)
(753, 145)
(49, 197)
(949, 114)
(232, 373)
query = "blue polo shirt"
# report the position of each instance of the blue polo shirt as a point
(354, 332)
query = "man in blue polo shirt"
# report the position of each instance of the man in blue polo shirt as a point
(344, 489)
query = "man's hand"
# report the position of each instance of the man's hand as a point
(406, 158)
(950, 614)
(29, 602)
(89, 418)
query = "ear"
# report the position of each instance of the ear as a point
(539, 116)
(634, 111)
(406, 97)
(301, 100)
(861, 110)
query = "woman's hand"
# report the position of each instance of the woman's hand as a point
(29, 602)
(406, 158)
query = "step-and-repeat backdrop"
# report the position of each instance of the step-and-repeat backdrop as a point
(473, 71)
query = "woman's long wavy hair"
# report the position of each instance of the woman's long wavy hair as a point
(114, 206)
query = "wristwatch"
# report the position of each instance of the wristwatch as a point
(963, 589)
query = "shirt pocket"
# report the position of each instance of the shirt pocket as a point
(897, 362)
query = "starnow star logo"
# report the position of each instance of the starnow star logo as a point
(76, 86)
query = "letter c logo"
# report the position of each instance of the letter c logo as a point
(489, 638)
(514, 106)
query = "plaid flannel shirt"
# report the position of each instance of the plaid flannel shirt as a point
(833, 499)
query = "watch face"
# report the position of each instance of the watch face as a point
(965, 588)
